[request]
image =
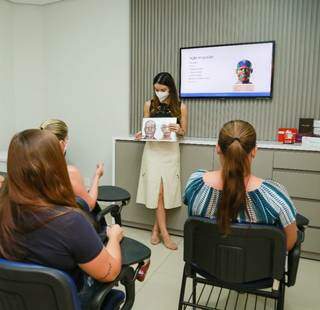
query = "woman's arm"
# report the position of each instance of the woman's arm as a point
(79, 186)
(181, 129)
(291, 234)
(106, 266)
(146, 113)
(184, 121)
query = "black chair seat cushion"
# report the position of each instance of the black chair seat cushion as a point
(110, 193)
(133, 251)
(263, 283)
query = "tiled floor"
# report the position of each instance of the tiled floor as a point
(161, 288)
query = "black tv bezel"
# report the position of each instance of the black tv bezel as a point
(230, 97)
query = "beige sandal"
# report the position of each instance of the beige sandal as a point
(155, 240)
(168, 243)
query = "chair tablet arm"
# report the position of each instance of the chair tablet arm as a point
(114, 210)
(293, 260)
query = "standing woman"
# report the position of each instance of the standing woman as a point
(159, 183)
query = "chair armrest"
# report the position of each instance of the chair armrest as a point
(114, 210)
(100, 295)
(301, 221)
(293, 260)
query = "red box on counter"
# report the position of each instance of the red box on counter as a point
(287, 135)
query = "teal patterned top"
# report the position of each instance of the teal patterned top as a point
(267, 204)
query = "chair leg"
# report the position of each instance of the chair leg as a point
(280, 304)
(194, 291)
(117, 216)
(129, 284)
(183, 287)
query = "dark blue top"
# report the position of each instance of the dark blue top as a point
(63, 243)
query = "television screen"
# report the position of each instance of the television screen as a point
(227, 71)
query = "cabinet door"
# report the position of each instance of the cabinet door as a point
(299, 184)
(128, 155)
(261, 166)
(193, 157)
(310, 209)
(295, 160)
(312, 240)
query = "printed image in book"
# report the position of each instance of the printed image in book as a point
(157, 129)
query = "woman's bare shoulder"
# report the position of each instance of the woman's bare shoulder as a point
(213, 179)
(254, 183)
(73, 171)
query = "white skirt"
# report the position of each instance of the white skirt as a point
(160, 161)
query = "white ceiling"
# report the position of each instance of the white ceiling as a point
(36, 2)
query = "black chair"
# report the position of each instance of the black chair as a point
(249, 260)
(30, 287)
(117, 196)
(133, 252)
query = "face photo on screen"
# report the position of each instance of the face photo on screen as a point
(243, 71)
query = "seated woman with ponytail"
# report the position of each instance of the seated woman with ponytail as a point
(233, 194)
(60, 130)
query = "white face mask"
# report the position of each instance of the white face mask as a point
(162, 95)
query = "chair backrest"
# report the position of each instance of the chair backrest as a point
(29, 287)
(251, 252)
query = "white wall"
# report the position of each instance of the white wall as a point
(28, 66)
(88, 71)
(71, 60)
(7, 120)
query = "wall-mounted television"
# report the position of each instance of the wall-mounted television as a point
(243, 70)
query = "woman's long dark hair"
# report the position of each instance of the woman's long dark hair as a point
(37, 182)
(165, 78)
(236, 140)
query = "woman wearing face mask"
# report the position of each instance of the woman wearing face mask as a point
(60, 130)
(159, 183)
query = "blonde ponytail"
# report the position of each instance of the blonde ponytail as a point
(57, 127)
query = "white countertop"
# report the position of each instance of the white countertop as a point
(261, 144)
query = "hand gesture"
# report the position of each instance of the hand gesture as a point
(115, 231)
(99, 170)
(138, 135)
(174, 127)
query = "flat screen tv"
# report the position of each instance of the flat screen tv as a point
(243, 70)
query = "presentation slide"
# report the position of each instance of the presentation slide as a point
(241, 70)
